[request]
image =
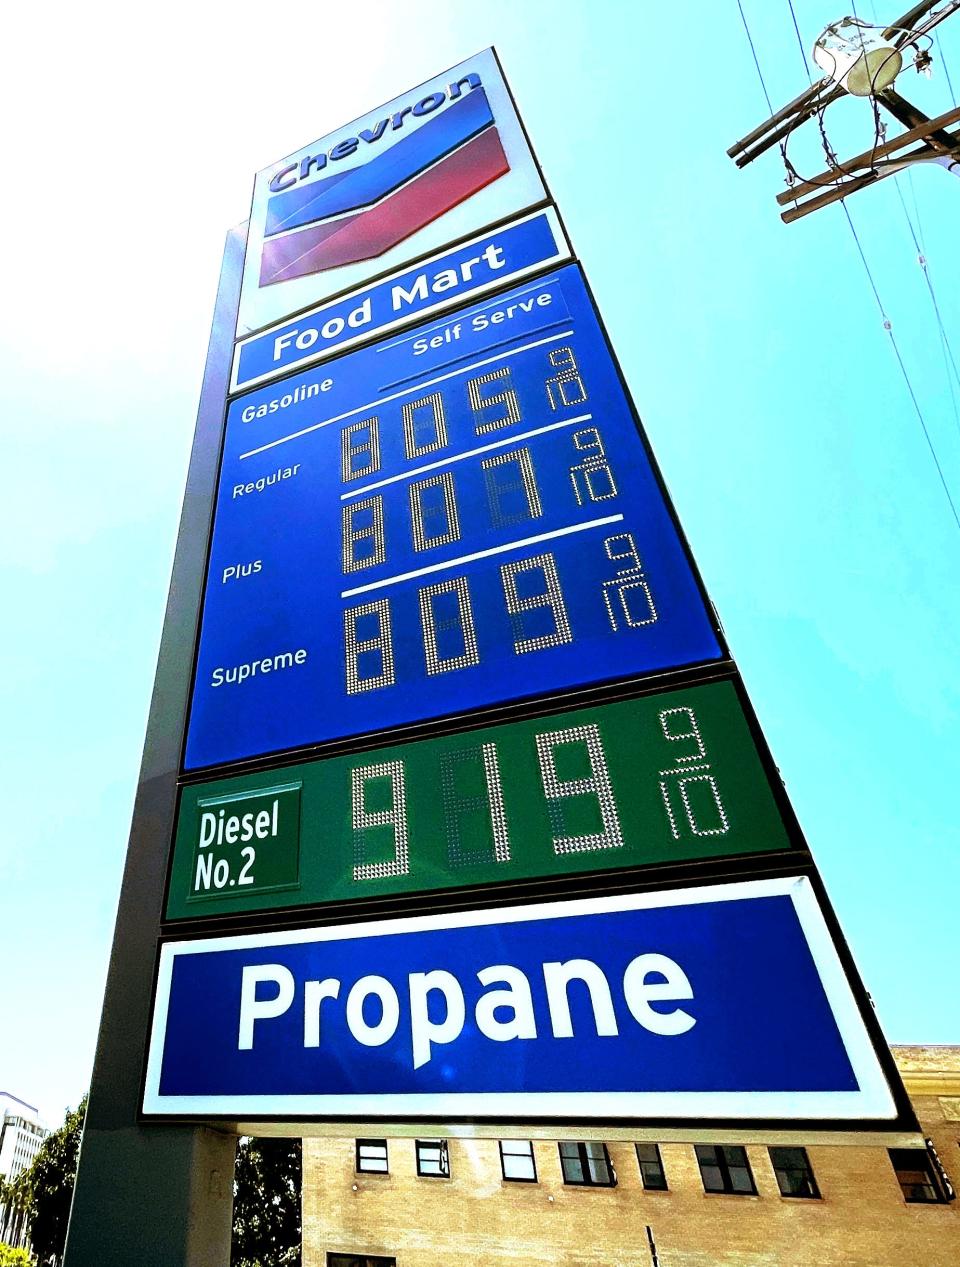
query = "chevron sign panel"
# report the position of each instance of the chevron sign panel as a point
(440, 163)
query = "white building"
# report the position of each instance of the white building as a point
(21, 1134)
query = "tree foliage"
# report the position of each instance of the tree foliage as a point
(266, 1204)
(45, 1189)
(266, 1200)
(10, 1257)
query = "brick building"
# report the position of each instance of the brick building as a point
(618, 1203)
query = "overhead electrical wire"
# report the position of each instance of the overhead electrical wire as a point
(803, 51)
(946, 68)
(887, 324)
(948, 357)
(756, 60)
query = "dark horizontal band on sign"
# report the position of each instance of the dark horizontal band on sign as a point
(723, 1002)
(666, 778)
(450, 520)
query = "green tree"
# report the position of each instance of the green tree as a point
(13, 1199)
(266, 1204)
(46, 1188)
(10, 1257)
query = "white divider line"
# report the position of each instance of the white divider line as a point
(483, 554)
(459, 457)
(418, 387)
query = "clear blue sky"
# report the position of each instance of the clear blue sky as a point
(754, 350)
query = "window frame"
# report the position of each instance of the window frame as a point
(584, 1159)
(641, 1162)
(444, 1149)
(335, 1259)
(810, 1177)
(533, 1161)
(366, 1170)
(934, 1179)
(723, 1164)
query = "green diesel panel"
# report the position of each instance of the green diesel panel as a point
(246, 842)
(659, 779)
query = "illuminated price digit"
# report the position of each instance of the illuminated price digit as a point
(349, 450)
(565, 388)
(412, 424)
(380, 645)
(486, 805)
(691, 732)
(365, 820)
(597, 784)
(629, 580)
(689, 782)
(499, 489)
(551, 601)
(363, 540)
(592, 479)
(463, 623)
(507, 398)
(425, 508)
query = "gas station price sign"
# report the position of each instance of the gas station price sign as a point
(457, 518)
(668, 777)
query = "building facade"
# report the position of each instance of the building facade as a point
(21, 1134)
(599, 1203)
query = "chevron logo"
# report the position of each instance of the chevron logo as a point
(358, 214)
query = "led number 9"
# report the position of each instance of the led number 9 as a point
(364, 820)
(598, 785)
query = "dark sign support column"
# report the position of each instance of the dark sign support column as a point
(160, 1196)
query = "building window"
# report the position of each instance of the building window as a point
(372, 1156)
(363, 1260)
(516, 1160)
(918, 1177)
(651, 1168)
(794, 1172)
(587, 1164)
(433, 1158)
(724, 1168)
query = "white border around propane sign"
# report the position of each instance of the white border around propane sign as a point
(873, 1101)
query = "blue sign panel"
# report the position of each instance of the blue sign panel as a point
(492, 260)
(723, 1001)
(459, 517)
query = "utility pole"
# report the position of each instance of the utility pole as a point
(860, 60)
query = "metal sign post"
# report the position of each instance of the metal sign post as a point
(147, 1194)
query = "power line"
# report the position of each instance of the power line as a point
(887, 325)
(946, 68)
(803, 54)
(948, 357)
(756, 60)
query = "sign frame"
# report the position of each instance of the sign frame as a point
(399, 733)
(645, 875)
(564, 1123)
(451, 236)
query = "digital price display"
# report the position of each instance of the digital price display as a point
(456, 518)
(669, 777)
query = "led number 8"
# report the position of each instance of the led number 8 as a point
(364, 820)
(598, 784)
